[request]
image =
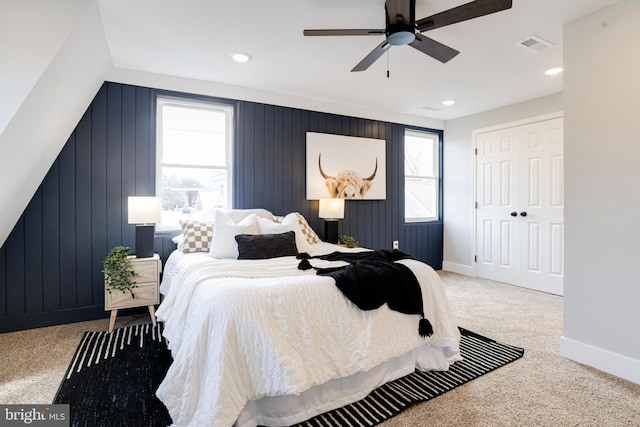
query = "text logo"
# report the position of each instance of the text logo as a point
(55, 415)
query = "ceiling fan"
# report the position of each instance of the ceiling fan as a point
(402, 28)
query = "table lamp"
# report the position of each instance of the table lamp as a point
(144, 212)
(331, 210)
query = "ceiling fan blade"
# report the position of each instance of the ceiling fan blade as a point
(434, 49)
(372, 57)
(464, 12)
(345, 32)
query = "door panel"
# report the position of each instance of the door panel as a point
(506, 241)
(533, 239)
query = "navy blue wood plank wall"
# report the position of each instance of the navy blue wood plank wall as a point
(50, 265)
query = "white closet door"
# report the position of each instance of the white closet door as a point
(542, 199)
(520, 203)
(498, 254)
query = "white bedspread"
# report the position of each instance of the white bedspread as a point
(242, 330)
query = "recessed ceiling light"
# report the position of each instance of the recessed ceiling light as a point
(448, 102)
(553, 71)
(240, 56)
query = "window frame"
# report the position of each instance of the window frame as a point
(162, 99)
(438, 162)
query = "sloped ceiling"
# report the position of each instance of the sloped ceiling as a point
(31, 35)
(52, 81)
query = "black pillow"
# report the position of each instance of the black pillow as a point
(263, 246)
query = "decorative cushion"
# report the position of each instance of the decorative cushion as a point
(263, 246)
(306, 229)
(196, 236)
(224, 244)
(289, 223)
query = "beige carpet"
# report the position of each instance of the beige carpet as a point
(541, 389)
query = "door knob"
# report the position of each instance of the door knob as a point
(523, 213)
(514, 213)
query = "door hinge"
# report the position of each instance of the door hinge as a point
(476, 205)
(476, 151)
(475, 258)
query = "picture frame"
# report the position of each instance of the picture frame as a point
(345, 167)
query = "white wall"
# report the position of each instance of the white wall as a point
(602, 187)
(31, 34)
(181, 84)
(48, 106)
(458, 176)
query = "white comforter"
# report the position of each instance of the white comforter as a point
(242, 330)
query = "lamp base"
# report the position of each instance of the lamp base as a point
(331, 231)
(144, 240)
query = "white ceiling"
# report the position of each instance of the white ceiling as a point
(194, 39)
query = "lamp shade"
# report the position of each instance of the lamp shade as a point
(144, 210)
(331, 208)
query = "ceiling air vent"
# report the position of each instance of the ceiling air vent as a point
(428, 108)
(535, 44)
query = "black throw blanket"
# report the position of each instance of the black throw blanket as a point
(374, 278)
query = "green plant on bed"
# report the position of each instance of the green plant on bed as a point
(348, 241)
(118, 271)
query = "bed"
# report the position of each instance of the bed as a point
(262, 342)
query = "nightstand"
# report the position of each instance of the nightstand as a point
(146, 293)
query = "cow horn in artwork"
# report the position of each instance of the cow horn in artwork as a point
(324, 175)
(374, 172)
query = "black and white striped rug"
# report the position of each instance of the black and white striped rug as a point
(481, 355)
(112, 378)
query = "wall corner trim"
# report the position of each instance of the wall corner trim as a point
(604, 360)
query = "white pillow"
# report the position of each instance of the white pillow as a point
(289, 223)
(179, 241)
(238, 215)
(224, 243)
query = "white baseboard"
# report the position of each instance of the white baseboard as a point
(466, 270)
(604, 360)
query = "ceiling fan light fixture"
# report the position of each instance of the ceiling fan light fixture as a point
(401, 27)
(448, 102)
(554, 71)
(240, 57)
(401, 38)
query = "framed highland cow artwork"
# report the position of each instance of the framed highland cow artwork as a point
(345, 167)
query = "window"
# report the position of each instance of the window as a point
(421, 180)
(194, 158)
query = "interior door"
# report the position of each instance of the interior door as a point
(542, 201)
(497, 255)
(520, 203)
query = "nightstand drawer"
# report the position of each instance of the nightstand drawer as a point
(145, 294)
(146, 271)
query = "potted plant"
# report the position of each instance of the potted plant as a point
(348, 241)
(118, 271)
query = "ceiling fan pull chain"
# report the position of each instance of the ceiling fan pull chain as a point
(388, 64)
